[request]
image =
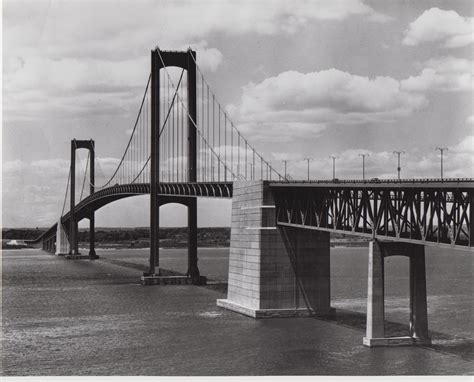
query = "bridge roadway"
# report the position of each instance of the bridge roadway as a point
(406, 210)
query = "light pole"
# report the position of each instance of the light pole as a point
(285, 161)
(333, 166)
(441, 149)
(398, 167)
(308, 160)
(363, 164)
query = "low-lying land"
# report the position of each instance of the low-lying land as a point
(170, 237)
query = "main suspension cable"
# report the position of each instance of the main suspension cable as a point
(131, 136)
(67, 191)
(203, 79)
(85, 174)
(187, 111)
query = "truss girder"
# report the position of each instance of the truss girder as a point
(437, 216)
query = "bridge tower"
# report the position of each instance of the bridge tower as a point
(187, 61)
(73, 227)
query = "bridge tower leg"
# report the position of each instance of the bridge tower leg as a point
(274, 271)
(193, 270)
(73, 247)
(92, 254)
(154, 166)
(375, 329)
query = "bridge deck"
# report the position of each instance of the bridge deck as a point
(427, 211)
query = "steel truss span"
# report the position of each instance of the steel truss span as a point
(431, 213)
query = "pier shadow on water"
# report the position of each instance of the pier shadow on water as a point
(442, 342)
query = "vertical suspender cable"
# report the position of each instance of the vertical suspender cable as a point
(173, 107)
(253, 165)
(208, 141)
(246, 145)
(219, 143)
(178, 128)
(238, 154)
(225, 145)
(202, 127)
(213, 134)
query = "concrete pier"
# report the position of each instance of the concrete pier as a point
(375, 330)
(62, 242)
(273, 272)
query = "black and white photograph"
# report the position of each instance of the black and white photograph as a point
(237, 188)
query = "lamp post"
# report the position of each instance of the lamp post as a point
(333, 166)
(363, 164)
(441, 149)
(308, 160)
(398, 167)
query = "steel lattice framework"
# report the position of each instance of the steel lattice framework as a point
(436, 212)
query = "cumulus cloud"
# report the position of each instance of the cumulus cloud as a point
(82, 60)
(445, 27)
(208, 59)
(303, 104)
(293, 104)
(33, 192)
(33, 195)
(132, 27)
(30, 191)
(442, 74)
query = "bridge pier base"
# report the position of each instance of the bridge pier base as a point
(48, 245)
(92, 254)
(62, 243)
(193, 270)
(375, 330)
(273, 271)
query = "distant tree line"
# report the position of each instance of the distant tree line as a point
(140, 237)
(211, 236)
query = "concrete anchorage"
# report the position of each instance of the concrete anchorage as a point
(375, 330)
(273, 271)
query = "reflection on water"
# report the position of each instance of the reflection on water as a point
(449, 283)
(97, 319)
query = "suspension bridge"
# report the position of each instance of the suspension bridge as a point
(183, 145)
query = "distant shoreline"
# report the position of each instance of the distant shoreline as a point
(138, 238)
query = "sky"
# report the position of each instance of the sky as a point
(300, 79)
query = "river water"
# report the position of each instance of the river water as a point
(80, 317)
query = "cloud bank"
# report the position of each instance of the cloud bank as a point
(445, 27)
